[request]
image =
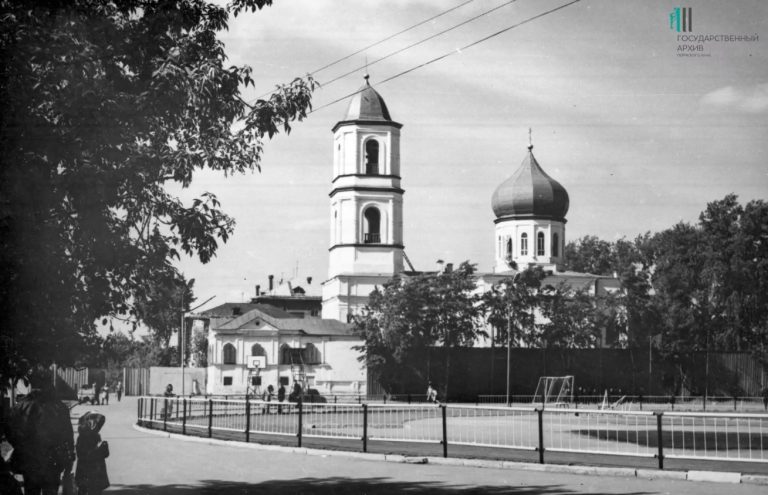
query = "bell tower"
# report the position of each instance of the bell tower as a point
(366, 245)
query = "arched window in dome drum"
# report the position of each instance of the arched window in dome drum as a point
(372, 157)
(540, 244)
(524, 244)
(371, 227)
(555, 244)
(229, 354)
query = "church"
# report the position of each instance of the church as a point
(252, 345)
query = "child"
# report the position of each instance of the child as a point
(91, 474)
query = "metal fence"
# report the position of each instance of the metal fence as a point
(652, 434)
(693, 403)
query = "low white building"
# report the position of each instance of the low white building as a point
(252, 346)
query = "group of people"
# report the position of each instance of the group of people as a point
(39, 429)
(101, 393)
(269, 395)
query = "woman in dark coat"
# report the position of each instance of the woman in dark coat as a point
(91, 474)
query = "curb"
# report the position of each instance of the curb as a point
(649, 474)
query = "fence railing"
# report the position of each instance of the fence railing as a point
(647, 402)
(652, 434)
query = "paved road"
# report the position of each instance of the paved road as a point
(147, 463)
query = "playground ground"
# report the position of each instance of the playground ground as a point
(154, 463)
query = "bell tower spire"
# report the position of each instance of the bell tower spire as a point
(366, 200)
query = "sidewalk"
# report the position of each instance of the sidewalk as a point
(143, 462)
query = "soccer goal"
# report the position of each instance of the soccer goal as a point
(554, 390)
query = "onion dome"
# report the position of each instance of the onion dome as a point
(367, 106)
(530, 193)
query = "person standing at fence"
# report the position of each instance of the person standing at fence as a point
(40, 432)
(169, 404)
(91, 475)
(280, 398)
(268, 396)
(119, 390)
(765, 398)
(432, 394)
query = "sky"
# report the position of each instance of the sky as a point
(641, 137)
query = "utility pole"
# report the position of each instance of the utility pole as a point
(181, 335)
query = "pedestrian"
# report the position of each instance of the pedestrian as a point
(432, 394)
(40, 432)
(765, 398)
(268, 395)
(91, 475)
(280, 398)
(119, 390)
(105, 395)
(169, 404)
(96, 394)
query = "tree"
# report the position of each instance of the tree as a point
(410, 315)
(509, 308)
(104, 104)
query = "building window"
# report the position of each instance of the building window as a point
(257, 350)
(555, 244)
(524, 244)
(509, 248)
(227, 380)
(285, 354)
(372, 224)
(372, 157)
(311, 355)
(230, 354)
(540, 244)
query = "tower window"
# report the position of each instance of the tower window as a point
(372, 157)
(555, 244)
(371, 229)
(540, 244)
(524, 244)
(229, 354)
(509, 248)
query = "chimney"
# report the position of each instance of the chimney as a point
(309, 280)
(258, 290)
(271, 282)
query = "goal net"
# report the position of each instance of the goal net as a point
(554, 390)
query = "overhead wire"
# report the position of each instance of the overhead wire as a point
(453, 52)
(402, 31)
(390, 37)
(401, 50)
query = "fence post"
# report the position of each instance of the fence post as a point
(365, 427)
(541, 434)
(165, 416)
(151, 409)
(184, 418)
(301, 420)
(210, 418)
(138, 412)
(660, 439)
(247, 420)
(445, 430)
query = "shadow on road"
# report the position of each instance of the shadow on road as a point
(328, 486)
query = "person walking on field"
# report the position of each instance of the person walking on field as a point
(91, 475)
(119, 390)
(40, 432)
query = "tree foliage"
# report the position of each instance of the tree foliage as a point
(411, 314)
(105, 104)
(510, 308)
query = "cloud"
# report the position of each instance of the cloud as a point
(752, 99)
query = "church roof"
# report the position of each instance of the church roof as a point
(530, 193)
(367, 106)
